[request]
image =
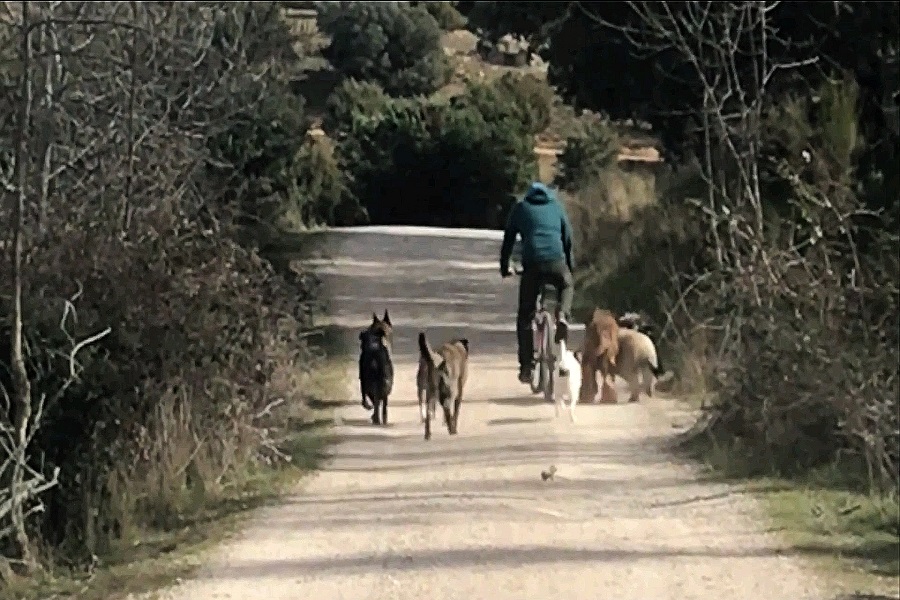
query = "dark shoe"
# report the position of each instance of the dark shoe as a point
(524, 375)
(562, 330)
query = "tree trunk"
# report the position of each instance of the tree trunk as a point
(20, 383)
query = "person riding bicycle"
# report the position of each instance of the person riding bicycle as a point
(546, 234)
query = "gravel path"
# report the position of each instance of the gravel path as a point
(469, 517)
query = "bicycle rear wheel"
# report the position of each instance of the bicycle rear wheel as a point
(538, 376)
(548, 364)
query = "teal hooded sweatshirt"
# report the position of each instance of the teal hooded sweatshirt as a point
(545, 229)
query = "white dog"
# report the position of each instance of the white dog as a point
(568, 380)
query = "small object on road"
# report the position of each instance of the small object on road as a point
(549, 473)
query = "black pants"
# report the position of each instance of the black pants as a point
(534, 278)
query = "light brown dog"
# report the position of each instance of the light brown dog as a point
(637, 363)
(441, 378)
(601, 346)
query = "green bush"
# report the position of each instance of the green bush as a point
(424, 163)
(587, 155)
(522, 99)
(350, 98)
(320, 188)
(390, 43)
(256, 159)
(445, 14)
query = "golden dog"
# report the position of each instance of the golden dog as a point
(601, 347)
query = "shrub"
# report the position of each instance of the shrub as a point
(522, 99)
(352, 98)
(421, 162)
(805, 367)
(445, 14)
(321, 194)
(203, 335)
(389, 43)
(256, 159)
(587, 155)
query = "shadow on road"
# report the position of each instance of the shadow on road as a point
(523, 401)
(514, 421)
(470, 557)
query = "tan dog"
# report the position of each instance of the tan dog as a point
(601, 347)
(441, 378)
(637, 363)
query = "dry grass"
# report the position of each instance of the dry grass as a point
(155, 559)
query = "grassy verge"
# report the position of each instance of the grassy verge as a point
(851, 537)
(154, 559)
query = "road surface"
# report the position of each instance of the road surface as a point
(469, 517)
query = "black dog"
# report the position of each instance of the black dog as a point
(376, 373)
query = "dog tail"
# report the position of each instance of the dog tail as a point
(653, 359)
(658, 370)
(424, 348)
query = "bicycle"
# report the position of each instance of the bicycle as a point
(543, 330)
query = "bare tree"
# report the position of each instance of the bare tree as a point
(106, 188)
(21, 392)
(789, 278)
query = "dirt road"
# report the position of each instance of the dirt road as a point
(469, 517)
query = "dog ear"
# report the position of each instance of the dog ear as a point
(374, 318)
(386, 319)
(424, 349)
(465, 343)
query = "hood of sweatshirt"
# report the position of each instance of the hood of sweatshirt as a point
(539, 193)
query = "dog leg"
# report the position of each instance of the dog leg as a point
(588, 379)
(423, 408)
(649, 381)
(558, 401)
(456, 406)
(376, 420)
(448, 419)
(634, 389)
(573, 402)
(365, 400)
(384, 403)
(447, 407)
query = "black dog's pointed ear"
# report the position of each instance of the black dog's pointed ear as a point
(374, 318)
(387, 318)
